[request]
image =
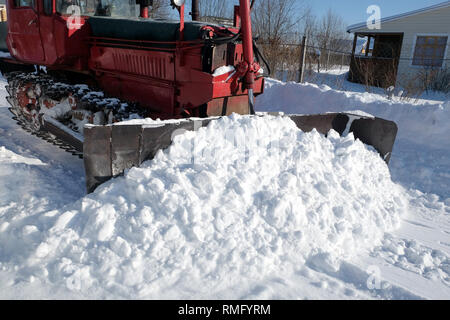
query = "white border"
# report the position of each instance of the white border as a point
(444, 63)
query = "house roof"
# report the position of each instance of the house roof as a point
(357, 26)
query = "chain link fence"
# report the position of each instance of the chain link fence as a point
(285, 59)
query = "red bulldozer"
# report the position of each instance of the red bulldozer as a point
(78, 67)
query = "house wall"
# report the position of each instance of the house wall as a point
(433, 22)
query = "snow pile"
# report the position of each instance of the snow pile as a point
(418, 121)
(422, 147)
(230, 204)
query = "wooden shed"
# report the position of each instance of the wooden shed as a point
(403, 47)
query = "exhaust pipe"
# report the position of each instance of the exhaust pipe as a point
(195, 10)
(144, 4)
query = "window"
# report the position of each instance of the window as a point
(23, 3)
(62, 6)
(430, 51)
(110, 8)
(364, 47)
(48, 7)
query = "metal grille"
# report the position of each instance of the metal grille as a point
(142, 65)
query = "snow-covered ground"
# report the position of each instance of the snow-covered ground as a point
(245, 208)
(336, 78)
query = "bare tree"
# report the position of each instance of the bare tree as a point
(160, 9)
(216, 8)
(331, 36)
(274, 22)
(308, 26)
(331, 27)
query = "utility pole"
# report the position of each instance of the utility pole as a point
(195, 10)
(302, 60)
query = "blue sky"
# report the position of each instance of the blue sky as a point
(354, 11)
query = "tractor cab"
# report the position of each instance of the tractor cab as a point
(42, 32)
(54, 32)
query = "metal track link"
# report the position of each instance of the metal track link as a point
(45, 135)
(33, 88)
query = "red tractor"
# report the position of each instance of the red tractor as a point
(167, 67)
(98, 62)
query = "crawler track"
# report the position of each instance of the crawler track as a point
(36, 97)
(44, 135)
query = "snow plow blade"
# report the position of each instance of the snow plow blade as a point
(109, 150)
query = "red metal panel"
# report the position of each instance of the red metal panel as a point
(228, 105)
(48, 39)
(144, 76)
(156, 96)
(70, 43)
(24, 40)
(153, 64)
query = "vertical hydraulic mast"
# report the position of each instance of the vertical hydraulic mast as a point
(247, 43)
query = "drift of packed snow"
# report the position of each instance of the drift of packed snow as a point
(233, 203)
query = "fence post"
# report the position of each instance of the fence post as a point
(318, 61)
(328, 60)
(302, 60)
